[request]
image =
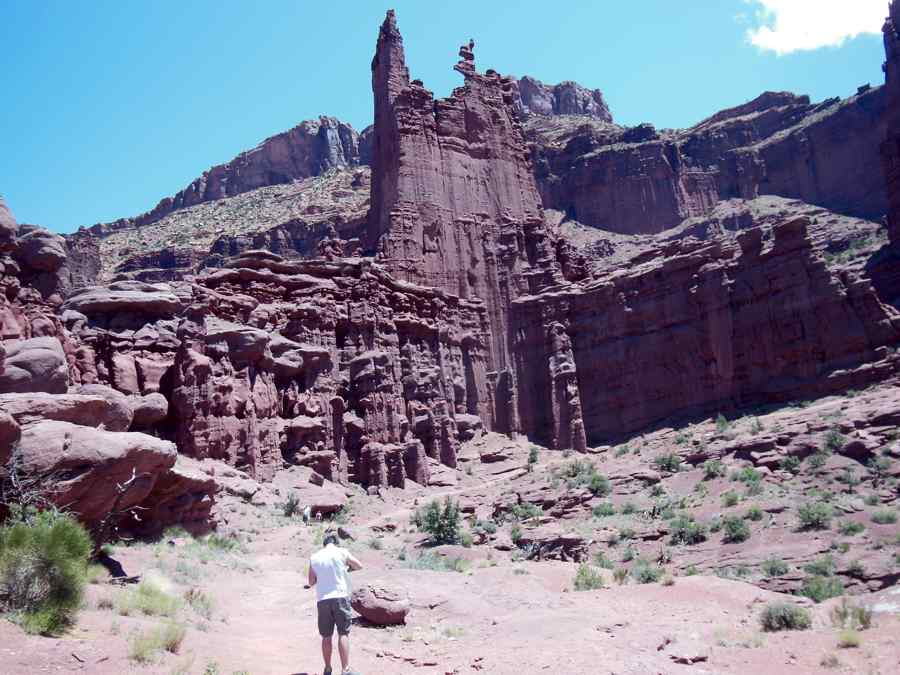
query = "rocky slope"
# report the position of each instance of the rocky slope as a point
(359, 326)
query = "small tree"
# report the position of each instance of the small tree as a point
(532, 458)
(442, 524)
(814, 516)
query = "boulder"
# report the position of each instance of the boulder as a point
(183, 495)
(379, 605)
(121, 414)
(8, 226)
(36, 364)
(9, 436)
(125, 296)
(41, 250)
(89, 410)
(148, 410)
(84, 465)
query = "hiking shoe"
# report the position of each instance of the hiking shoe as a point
(327, 671)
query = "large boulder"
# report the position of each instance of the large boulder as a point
(183, 495)
(83, 466)
(9, 436)
(36, 364)
(41, 250)
(121, 413)
(379, 605)
(148, 410)
(83, 409)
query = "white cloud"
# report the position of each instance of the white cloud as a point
(785, 26)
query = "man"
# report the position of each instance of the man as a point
(328, 572)
(307, 512)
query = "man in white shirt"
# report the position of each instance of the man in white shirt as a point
(329, 573)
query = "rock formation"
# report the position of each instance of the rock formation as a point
(566, 98)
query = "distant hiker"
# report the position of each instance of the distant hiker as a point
(328, 572)
(307, 512)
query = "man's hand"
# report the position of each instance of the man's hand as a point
(353, 563)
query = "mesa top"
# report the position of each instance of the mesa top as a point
(330, 566)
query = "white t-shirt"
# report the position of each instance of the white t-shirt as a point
(332, 578)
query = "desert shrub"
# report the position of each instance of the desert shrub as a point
(143, 647)
(43, 569)
(599, 485)
(849, 528)
(834, 441)
(466, 539)
(526, 511)
(713, 468)
(646, 573)
(821, 588)
(668, 580)
(628, 554)
(668, 462)
(790, 463)
(441, 524)
(817, 460)
(291, 506)
(587, 578)
(515, 533)
(685, 530)
(603, 510)
(784, 616)
(823, 566)
(200, 602)
(722, 424)
(849, 639)
(754, 513)
(657, 490)
(148, 599)
(736, 530)
(715, 525)
(533, 456)
(814, 516)
(748, 475)
(774, 567)
(879, 466)
(486, 526)
(856, 569)
(847, 615)
(620, 575)
(884, 517)
(437, 563)
(626, 533)
(600, 560)
(628, 508)
(730, 498)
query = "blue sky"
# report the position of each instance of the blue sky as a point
(110, 105)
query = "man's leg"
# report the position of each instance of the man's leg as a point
(326, 652)
(344, 651)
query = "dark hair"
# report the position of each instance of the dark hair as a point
(330, 538)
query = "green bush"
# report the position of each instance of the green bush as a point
(884, 517)
(834, 441)
(668, 462)
(291, 506)
(620, 575)
(730, 498)
(599, 485)
(784, 616)
(754, 513)
(814, 516)
(857, 617)
(603, 510)
(43, 569)
(823, 566)
(526, 511)
(817, 460)
(722, 424)
(628, 508)
(587, 578)
(645, 573)
(736, 530)
(820, 588)
(713, 468)
(148, 599)
(515, 534)
(601, 560)
(533, 455)
(442, 524)
(774, 567)
(790, 463)
(748, 475)
(685, 530)
(849, 528)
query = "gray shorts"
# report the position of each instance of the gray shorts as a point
(334, 612)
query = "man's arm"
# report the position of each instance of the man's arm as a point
(311, 576)
(353, 563)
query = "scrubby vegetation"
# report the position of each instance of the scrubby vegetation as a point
(784, 616)
(43, 569)
(441, 523)
(736, 530)
(587, 578)
(685, 530)
(814, 516)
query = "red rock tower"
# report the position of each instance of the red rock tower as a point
(454, 201)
